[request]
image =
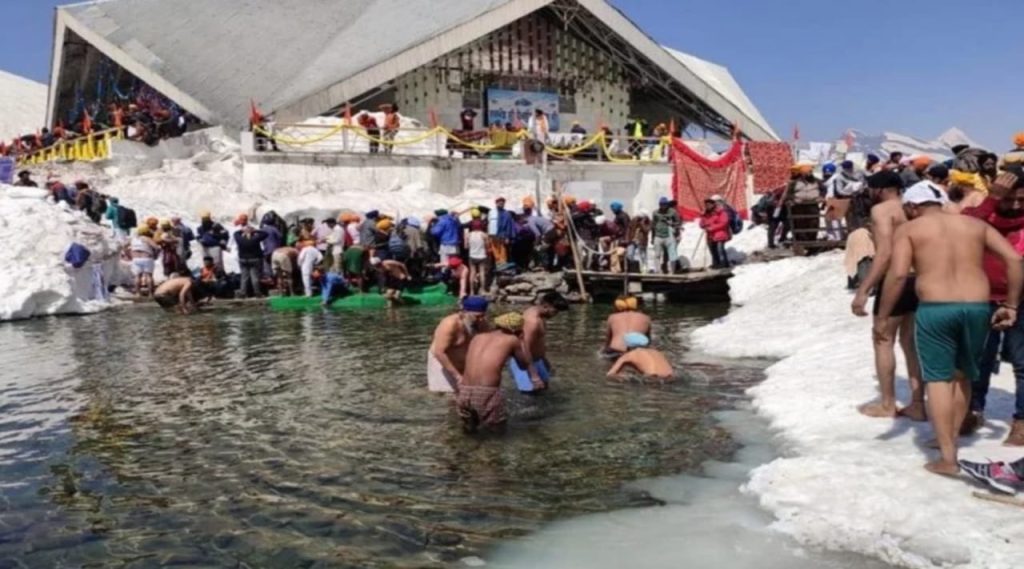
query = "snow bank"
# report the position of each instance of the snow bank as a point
(693, 246)
(853, 483)
(36, 235)
(22, 106)
(705, 522)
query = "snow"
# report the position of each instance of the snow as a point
(954, 136)
(22, 106)
(36, 235)
(693, 245)
(851, 483)
(705, 522)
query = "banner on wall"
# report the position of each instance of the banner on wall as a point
(505, 106)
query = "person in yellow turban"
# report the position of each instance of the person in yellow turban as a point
(625, 320)
(385, 225)
(480, 401)
(510, 322)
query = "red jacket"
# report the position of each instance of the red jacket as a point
(716, 224)
(1009, 227)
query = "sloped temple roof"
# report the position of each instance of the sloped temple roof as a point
(303, 57)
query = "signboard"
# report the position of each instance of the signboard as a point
(6, 170)
(504, 106)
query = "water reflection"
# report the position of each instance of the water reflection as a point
(306, 439)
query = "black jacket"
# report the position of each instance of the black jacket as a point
(249, 246)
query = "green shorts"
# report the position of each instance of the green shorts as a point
(951, 336)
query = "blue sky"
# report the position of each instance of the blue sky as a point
(911, 66)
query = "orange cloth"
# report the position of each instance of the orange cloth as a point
(499, 251)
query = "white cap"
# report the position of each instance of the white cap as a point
(600, 220)
(717, 198)
(925, 192)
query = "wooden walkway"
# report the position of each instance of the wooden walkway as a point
(694, 286)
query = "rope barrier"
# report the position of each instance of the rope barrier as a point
(600, 139)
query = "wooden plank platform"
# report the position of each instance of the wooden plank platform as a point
(695, 286)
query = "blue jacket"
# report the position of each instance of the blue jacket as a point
(506, 225)
(448, 230)
(212, 235)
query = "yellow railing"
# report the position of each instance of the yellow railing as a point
(85, 148)
(618, 149)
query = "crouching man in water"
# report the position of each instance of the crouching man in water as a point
(648, 361)
(177, 292)
(446, 359)
(954, 318)
(627, 318)
(481, 402)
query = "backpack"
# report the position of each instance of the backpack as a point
(397, 245)
(735, 221)
(77, 255)
(126, 218)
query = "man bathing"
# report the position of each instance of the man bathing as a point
(535, 330)
(177, 292)
(446, 359)
(887, 216)
(627, 318)
(481, 402)
(648, 361)
(953, 319)
(392, 277)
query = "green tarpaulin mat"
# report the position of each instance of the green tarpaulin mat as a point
(432, 295)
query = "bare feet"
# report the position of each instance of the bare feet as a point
(943, 468)
(878, 410)
(915, 412)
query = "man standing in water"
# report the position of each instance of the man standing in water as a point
(886, 216)
(481, 402)
(535, 330)
(954, 317)
(446, 358)
(627, 318)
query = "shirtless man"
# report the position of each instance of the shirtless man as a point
(283, 263)
(648, 361)
(627, 318)
(480, 402)
(954, 317)
(535, 331)
(177, 292)
(392, 276)
(886, 216)
(446, 358)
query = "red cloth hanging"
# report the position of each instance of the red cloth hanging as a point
(770, 163)
(696, 178)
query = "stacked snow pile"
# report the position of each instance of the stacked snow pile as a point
(854, 483)
(36, 235)
(22, 106)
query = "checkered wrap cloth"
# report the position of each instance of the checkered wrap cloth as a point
(480, 406)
